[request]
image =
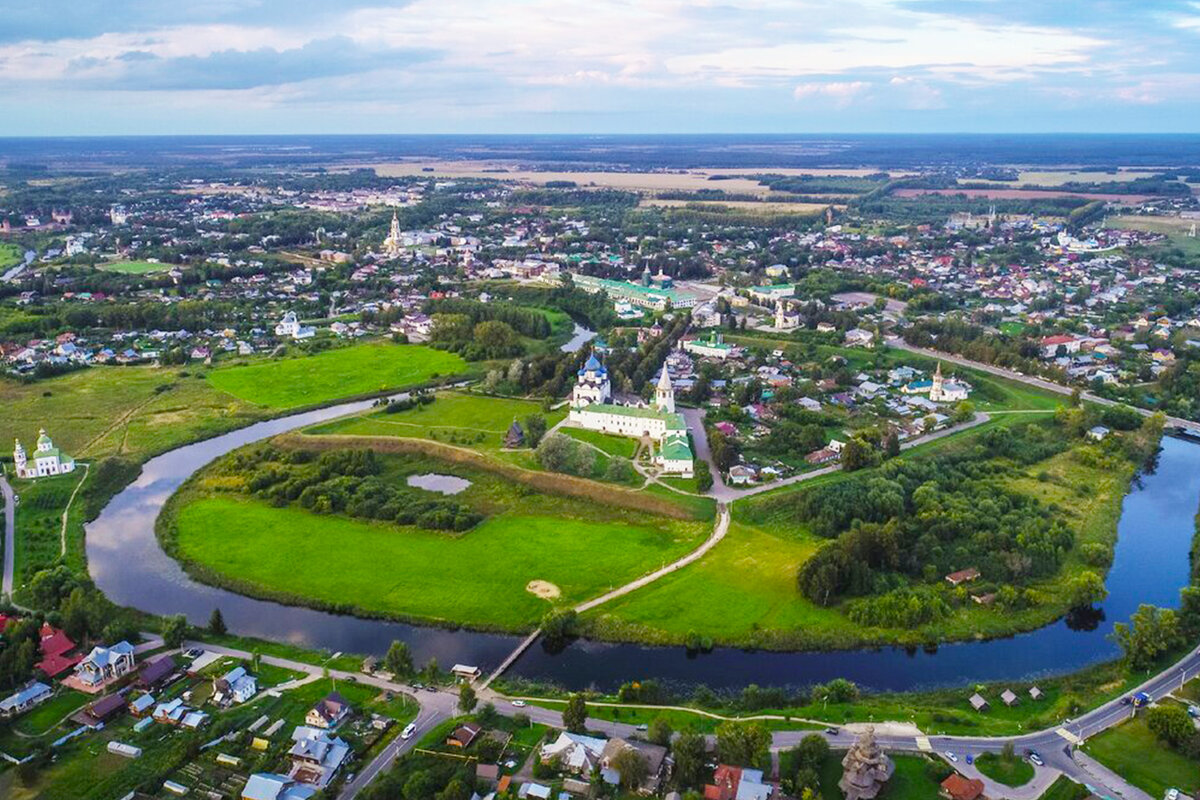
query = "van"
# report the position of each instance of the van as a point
(408, 731)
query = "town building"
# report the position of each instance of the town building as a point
(710, 345)
(590, 409)
(47, 459)
(290, 327)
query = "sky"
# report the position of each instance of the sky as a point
(104, 67)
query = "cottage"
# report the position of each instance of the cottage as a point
(328, 713)
(515, 437)
(235, 686)
(956, 787)
(1009, 698)
(1099, 433)
(141, 705)
(269, 786)
(1035, 693)
(96, 714)
(33, 693)
(463, 735)
(574, 752)
(737, 783)
(657, 762)
(978, 703)
(316, 756)
(962, 576)
(152, 673)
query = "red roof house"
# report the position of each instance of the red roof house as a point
(54, 647)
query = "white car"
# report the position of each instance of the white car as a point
(1172, 794)
(408, 731)
(518, 703)
(951, 756)
(1036, 760)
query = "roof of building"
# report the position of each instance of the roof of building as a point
(960, 788)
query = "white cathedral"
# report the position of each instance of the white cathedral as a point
(392, 244)
(47, 459)
(591, 408)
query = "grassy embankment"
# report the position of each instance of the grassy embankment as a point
(1137, 755)
(1014, 771)
(477, 578)
(10, 255)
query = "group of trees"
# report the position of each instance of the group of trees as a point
(914, 521)
(346, 482)
(475, 341)
(561, 453)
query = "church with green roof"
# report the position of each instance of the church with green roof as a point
(47, 459)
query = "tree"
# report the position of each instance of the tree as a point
(535, 429)
(466, 698)
(854, 455)
(175, 630)
(558, 626)
(216, 623)
(632, 767)
(659, 731)
(1085, 589)
(398, 660)
(431, 671)
(811, 752)
(575, 714)
(556, 452)
(689, 752)
(891, 444)
(743, 743)
(1171, 724)
(1151, 632)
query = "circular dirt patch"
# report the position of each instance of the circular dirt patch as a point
(543, 589)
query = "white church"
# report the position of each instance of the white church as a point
(591, 408)
(47, 459)
(290, 326)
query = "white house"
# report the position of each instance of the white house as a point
(235, 686)
(574, 752)
(290, 326)
(47, 459)
(105, 664)
(21, 701)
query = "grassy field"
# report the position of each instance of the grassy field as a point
(623, 446)
(10, 255)
(50, 713)
(39, 540)
(455, 417)
(1011, 772)
(1175, 228)
(744, 593)
(1134, 753)
(131, 411)
(345, 372)
(136, 267)
(478, 578)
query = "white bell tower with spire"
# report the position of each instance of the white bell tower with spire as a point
(664, 393)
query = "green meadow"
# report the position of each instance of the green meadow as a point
(344, 372)
(477, 578)
(136, 267)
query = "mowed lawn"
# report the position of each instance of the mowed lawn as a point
(1136, 754)
(104, 411)
(747, 583)
(623, 446)
(136, 267)
(456, 414)
(332, 374)
(477, 578)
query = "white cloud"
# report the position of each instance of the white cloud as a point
(841, 92)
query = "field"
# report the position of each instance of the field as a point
(622, 446)
(10, 254)
(743, 592)
(132, 411)
(345, 372)
(477, 578)
(39, 523)
(1135, 754)
(453, 416)
(1175, 228)
(136, 267)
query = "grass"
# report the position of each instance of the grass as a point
(622, 446)
(39, 522)
(1174, 228)
(129, 411)
(476, 420)
(45, 716)
(136, 267)
(1013, 771)
(1064, 788)
(1136, 754)
(743, 592)
(10, 255)
(477, 578)
(910, 781)
(357, 370)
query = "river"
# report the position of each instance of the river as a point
(1150, 566)
(12, 273)
(579, 337)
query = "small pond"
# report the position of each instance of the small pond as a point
(432, 482)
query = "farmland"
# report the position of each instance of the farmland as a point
(346, 372)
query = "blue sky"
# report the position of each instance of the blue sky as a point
(578, 66)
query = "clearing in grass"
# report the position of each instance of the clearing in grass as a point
(344, 372)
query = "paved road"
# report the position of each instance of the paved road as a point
(10, 536)
(1041, 383)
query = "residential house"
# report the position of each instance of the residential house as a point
(574, 752)
(54, 646)
(95, 714)
(328, 713)
(1009, 698)
(658, 763)
(316, 756)
(978, 702)
(737, 783)
(956, 787)
(269, 786)
(962, 576)
(30, 695)
(105, 664)
(234, 687)
(152, 673)
(463, 735)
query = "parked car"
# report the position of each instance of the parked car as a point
(832, 731)
(951, 756)
(1036, 760)
(518, 703)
